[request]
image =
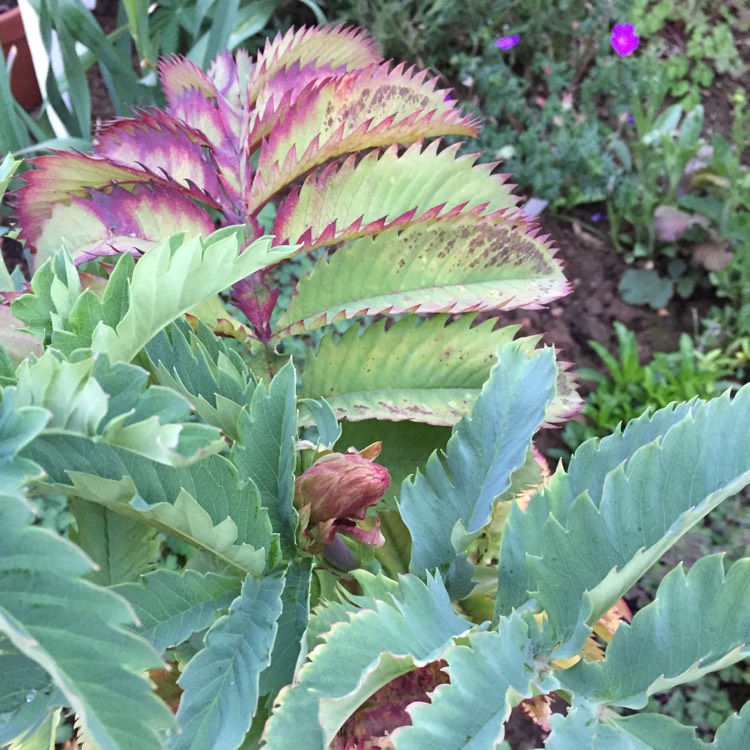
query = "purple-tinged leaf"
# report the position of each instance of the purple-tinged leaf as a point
(352, 199)
(60, 177)
(167, 146)
(118, 221)
(178, 75)
(280, 95)
(219, 131)
(342, 45)
(256, 299)
(367, 108)
(229, 74)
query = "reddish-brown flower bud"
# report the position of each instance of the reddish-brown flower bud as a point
(336, 491)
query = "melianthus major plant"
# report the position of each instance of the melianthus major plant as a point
(153, 426)
(435, 657)
(321, 143)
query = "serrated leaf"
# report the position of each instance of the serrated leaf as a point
(373, 106)
(292, 623)
(382, 641)
(122, 548)
(587, 471)
(155, 138)
(596, 530)
(385, 189)
(97, 664)
(220, 682)
(60, 177)
(119, 220)
(205, 503)
(200, 366)
(332, 47)
(55, 288)
(171, 606)
(175, 276)
(480, 458)
(697, 623)
(264, 451)
(489, 673)
(68, 390)
(449, 266)
(138, 418)
(382, 374)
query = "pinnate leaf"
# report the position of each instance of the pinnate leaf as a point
(370, 107)
(489, 674)
(175, 276)
(264, 451)
(171, 605)
(699, 622)
(356, 198)
(449, 266)
(447, 506)
(331, 47)
(409, 627)
(200, 366)
(204, 503)
(612, 532)
(381, 374)
(98, 664)
(220, 682)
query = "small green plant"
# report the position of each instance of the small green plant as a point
(627, 388)
(693, 40)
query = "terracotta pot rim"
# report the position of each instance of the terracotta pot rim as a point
(11, 26)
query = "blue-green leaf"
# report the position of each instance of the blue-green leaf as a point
(171, 606)
(264, 451)
(489, 673)
(381, 641)
(698, 623)
(447, 506)
(220, 682)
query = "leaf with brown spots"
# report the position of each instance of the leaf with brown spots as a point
(455, 265)
(375, 106)
(352, 199)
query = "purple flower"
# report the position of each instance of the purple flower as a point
(596, 217)
(631, 120)
(506, 42)
(624, 39)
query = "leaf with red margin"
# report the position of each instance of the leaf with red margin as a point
(349, 199)
(342, 45)
(61, 176)
(282, 92)
(454, 265)
(182, 79)
(377, 106)
(167, 145)
(178, 75)
(118, 221)
(194, 109)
